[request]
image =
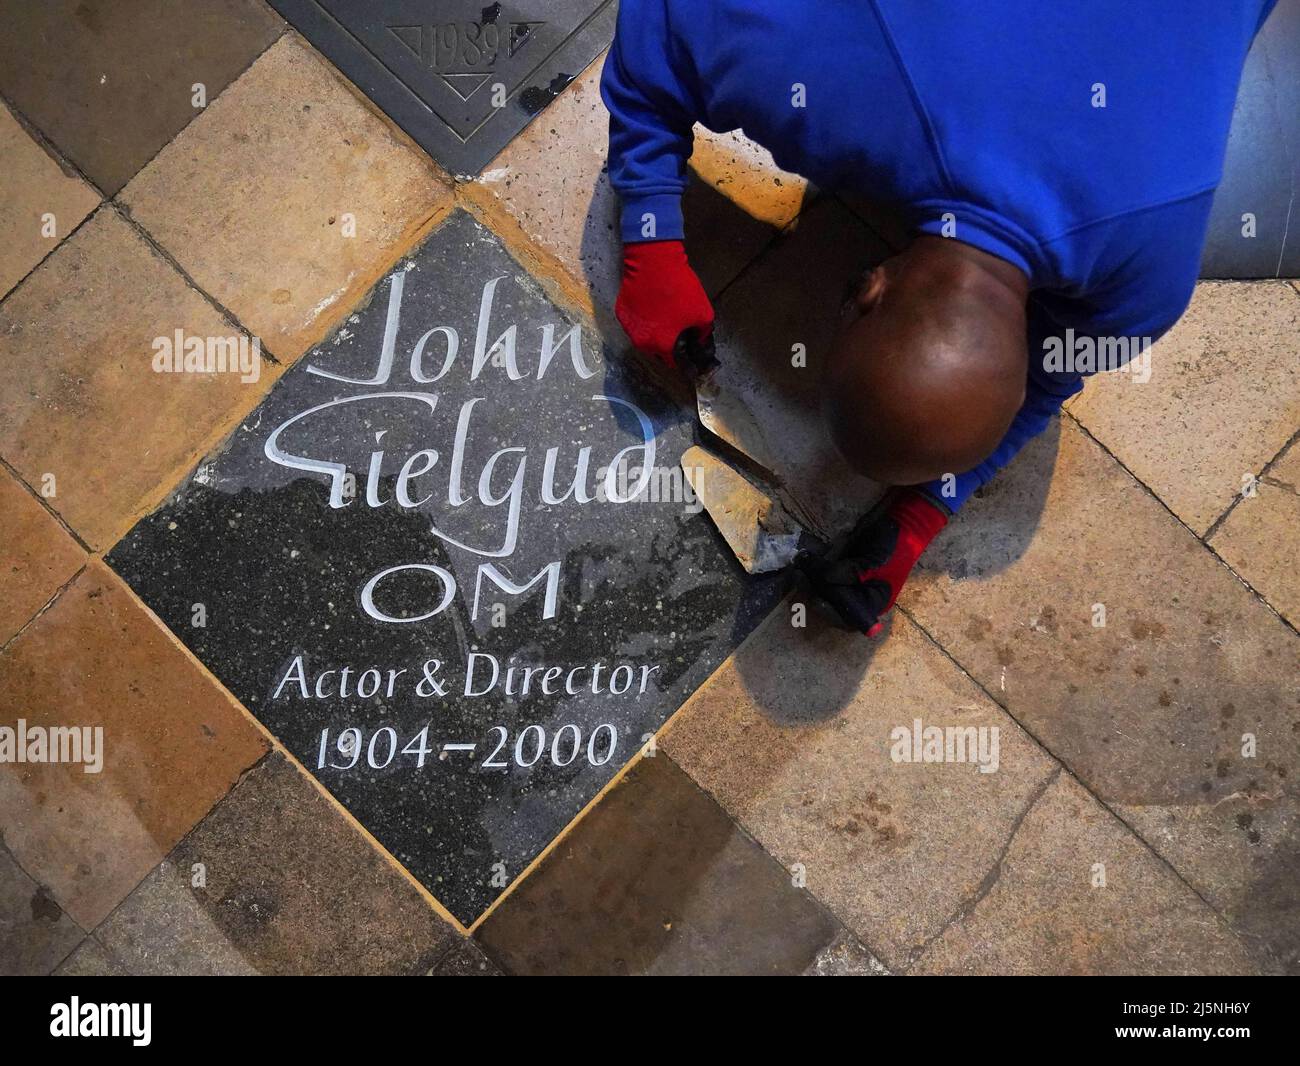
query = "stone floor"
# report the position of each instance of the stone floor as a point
(1117, 612)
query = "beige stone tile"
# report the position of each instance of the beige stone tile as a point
(765, 404)
(550, 185)
(1259, 538)
(84, 404)
(112, 81)
(793, 736)
(1151, 710)
(1077, 893)
(33, 184)
(173, 744)
(656, 880)
(1223, 398)
(252, 198)
(290, 887)
(36, 556)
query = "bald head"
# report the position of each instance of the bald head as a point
(927, 369)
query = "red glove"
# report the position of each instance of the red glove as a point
(863, 583)
(660, 298)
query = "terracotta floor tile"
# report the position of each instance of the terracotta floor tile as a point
(291, 888)
(173, 744)
(1223, 398)
(769, 391)
(793, 737)
(256, 198)
(1259, 539)
(1152, 709)
(552, 184)
(656, 879)
(35, 934)
(40, 203)
(90, 410)
(36, 556)
(111, 81)
(1077, 893)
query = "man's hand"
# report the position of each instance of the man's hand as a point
(661, 298)
(865, 580)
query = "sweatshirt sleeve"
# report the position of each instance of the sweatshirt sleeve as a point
(651, 117)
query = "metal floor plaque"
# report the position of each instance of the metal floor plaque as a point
(461, 77)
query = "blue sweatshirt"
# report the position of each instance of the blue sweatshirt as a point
(1080, 140)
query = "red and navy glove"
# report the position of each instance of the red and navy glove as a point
(862, 584)
(661, 299)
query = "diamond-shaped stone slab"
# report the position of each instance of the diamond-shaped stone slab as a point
(461, 77)
(275, 564)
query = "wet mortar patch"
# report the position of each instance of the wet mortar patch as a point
(293, 550)
(461, 77)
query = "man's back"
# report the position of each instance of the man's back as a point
(1067, 138)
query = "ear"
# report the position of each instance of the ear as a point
(872, 289)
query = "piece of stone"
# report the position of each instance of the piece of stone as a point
(91, 960)
(172, 743)
(736, 202)
(657, 880)
(754, 525)
(275, 881)
(288, 198)
(92, 426)
(1222, 399)
(36, 556)
(1258, 538)
(1251, 232)
(41, 202)
(797, 737)
(622, 592)
(110, 83)
(35, 934)
(1116, 638)
(464, 78)
(774, 326)
(1076, 893)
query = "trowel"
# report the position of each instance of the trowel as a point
(755, 517)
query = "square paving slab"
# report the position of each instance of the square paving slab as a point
(461, 77)
(449, 562)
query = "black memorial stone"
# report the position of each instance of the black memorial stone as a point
(460, 76)
(478, 712)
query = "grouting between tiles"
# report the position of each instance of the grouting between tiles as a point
(968, 906)
(1168, 510)
(1252, 951)
(1237, 497)
(5, 464)
(124, 212)
(44, 607)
